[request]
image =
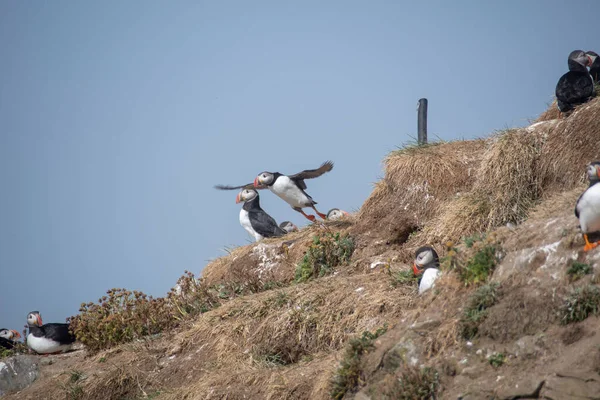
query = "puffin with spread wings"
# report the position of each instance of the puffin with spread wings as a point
(291, 188)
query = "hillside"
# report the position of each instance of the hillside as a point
(513, 316)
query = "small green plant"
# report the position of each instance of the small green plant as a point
(580, 304)
(415, 383)
(349, 375)
(496, 360)
(272, 360)
(326, 252)
(405, 277)
(4, 353)
(470, 240)
(577, 270)
(479, 266)
(72, 387)
(476, 309)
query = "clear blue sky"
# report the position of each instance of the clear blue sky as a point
(117, 118)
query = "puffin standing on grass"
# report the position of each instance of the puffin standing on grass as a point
(426, 263)
(291, 188)
(254, 219)
(50, 338)
(7, 338)
(587, 208)
(576, 86)
(335, 214)
(594, 66)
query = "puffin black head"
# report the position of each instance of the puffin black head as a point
(593, 172)
(245, 195)
(288, 226)
(264, 179)
(34, 319)
(335, 213)
(9, 334)
(425, 257)
(578, 59)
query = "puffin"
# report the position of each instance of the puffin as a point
(426, 263)
(576, 86)
(288, 226)
(254, 219)
(290, 188)
(335, 214)
(49, 338)
(594, 66)
(587, 208)
(7, 338)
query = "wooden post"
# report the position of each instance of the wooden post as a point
(422, 121)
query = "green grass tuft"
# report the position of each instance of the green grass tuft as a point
(326, 252)
(580, 304)
(479, 267)
(476, 309)
(577, 270)
(496, 360)
(405, 277)
(415, 383)
(349, 375)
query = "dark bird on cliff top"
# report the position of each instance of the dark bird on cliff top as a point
(254, 219)
(8, 338)
(290, 188)
(594, 66)
(576, 86)
(587, 208)
(49, 338)
(427, 264)
(335, 214)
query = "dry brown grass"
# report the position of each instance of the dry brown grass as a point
(417, 180)
(551, 113)
(569, 147)
(505, 189)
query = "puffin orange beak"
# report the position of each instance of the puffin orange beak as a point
(345, 213)
(590, 60)
(39, 320)
(238, 198)
(416, 270)
(256, 183)
(17, 334)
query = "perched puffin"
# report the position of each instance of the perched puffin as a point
(427, 263)
(7, 338)
(254, 219)
(291, 188)
(335, 213)
(587, 208)
(288, 226)
(576, 86)
(594, 66)
(49, 338)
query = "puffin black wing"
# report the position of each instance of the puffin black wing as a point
(574, 88)
(313, 173)
(264, 224)
(246, 186)
(6, 343)
(58, 332)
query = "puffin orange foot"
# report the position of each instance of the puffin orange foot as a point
(311, 217)
(590, 246)
(323, 216)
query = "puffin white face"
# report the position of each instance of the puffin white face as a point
(580, 57)
(593, 172)
(9, 334)
(246, 195)
(34, 318)
(288, 226)
(424, 258)
(335, 213)
(264, 179)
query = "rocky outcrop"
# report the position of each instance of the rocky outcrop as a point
(17, 373)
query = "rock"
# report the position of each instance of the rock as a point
(572, 385)
(528, 388)
(472, 372)
(17, 373)
(425, 326)
(404, 352)
(361, 396)
(527, 347)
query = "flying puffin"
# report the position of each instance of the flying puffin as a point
(335, 213)
(288, 226)
(290, 188)
(48, 338)
(587, 208)
(427, 263)
(594, 66)
(576, 86)
(7, 338)
(254, 219)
